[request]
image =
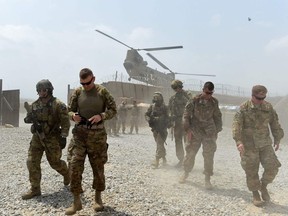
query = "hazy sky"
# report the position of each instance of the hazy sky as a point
(54, 39)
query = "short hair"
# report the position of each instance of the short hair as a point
(209, 85)
(85, 72)
(259, 90)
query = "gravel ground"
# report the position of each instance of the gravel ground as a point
(133, 187)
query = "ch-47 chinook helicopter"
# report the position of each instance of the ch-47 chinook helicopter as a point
(138, 69)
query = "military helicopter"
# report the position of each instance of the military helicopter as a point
(138, 69)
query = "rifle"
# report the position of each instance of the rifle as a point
(31, 118)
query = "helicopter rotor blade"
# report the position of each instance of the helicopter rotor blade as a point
(113, 38)
(161, 48)
(212, 75)
(158, 62)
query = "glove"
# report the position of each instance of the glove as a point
(62, 142)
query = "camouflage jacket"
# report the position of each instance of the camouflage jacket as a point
(158, 117)
(202, 114)
(251, 125)
(53, 116)
(135, 111)
(101, 101)
(122, 110)
(177, 104)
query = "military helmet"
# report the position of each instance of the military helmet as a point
(157, 97)
(44, 84)
(176, 84)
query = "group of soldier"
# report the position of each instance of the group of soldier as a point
(196, 120)
(119, 121)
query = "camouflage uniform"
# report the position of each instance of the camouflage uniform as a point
(122, 115)
(158, 119)
(91, 141)
(134, 121)
(204, 119)
(251, 127)
(53, 123)
(176, 107)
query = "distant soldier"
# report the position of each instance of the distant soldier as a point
(134, 121)
(251, 131)
(176, 107)
(202, 120)
(50, 127)
(158, 119)
(112, 126)
(122, 115)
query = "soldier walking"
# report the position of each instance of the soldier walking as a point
(202, 120)
(90, 105)
(50, 127)
(158, 119)
(251, 131)
(176, 107)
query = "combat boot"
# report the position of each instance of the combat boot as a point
(183, 177)
(66, 179)
(76, 206)
(256, 198)
(98, 205)
(31, 193)
(155, 164)
(264, 193)
(208, 184)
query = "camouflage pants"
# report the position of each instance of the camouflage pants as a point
(178, 136)
(209, 148)
(250, 162)
(92, 143)
(121, 123)
(134, 123)
(160, 139)
(53, 154)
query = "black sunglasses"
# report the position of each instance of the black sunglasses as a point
(87, 83)
(209, 93)
(259, 98)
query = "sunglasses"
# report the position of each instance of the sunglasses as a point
(209, 93)
(87, 83)
(259, 98)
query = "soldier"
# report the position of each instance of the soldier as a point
(90, 105)
(158, 119)
(134, 121)
(251, 127)
(176, 107)
(122, 115)
(202, 120)
(50, 127)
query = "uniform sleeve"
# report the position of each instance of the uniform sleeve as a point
(237, 127)
(217, 116)
(64, 118)
(148, 113)
(73, 104)
(111, 109)
(187, 114)
(276, 129)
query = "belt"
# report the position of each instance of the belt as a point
(91, 127)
